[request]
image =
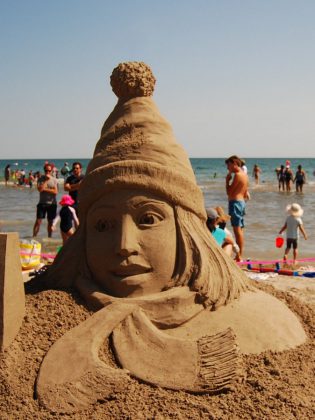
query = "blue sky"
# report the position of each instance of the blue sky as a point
(232, 76)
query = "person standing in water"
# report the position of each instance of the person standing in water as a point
(256, 173)
(65, 170)
(299, 179)
(293, 225)
(281, 177)
(7, 173)
(243, 166)
(237, 192)
(288, 176)
(31, 179)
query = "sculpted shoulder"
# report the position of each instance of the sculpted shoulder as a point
(279, 328)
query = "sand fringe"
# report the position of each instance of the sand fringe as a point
(220, 363)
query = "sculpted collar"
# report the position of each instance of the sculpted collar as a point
(167, 309)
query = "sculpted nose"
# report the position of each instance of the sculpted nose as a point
(127, 238)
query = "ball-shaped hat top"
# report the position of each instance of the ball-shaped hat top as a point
(132, 79)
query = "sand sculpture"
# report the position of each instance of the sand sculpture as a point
(12, 298)
(175, 310)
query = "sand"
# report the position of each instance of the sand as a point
(277, 385)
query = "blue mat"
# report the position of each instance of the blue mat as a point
(311, 274)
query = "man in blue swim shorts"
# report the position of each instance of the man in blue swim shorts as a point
(237, 212)
(237, 192)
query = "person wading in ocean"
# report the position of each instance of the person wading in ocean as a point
(237, 192)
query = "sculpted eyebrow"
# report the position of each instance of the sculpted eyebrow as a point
(145, 203)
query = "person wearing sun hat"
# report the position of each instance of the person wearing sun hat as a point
(293, 225)
(67, 218)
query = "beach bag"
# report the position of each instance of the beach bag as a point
(279, 241)
(30, 251)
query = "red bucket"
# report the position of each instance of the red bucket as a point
(279, 241)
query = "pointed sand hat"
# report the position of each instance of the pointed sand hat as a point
(138, 149)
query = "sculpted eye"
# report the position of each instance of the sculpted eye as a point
(104, 225)
(149, 219)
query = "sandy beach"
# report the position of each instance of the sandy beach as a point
(131, 305)
(277, 385)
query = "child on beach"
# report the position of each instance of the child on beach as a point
(219, 234)
(67, 217)
(222, 220)
(293, 224)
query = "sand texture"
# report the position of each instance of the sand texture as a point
(277, 385)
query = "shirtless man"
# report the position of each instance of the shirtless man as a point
(237, 192)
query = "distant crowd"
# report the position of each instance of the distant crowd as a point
(48, 186)
(286, 177)
(22, 178)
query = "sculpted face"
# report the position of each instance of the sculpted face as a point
(131, 243)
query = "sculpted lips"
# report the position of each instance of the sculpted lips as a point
(130, 270)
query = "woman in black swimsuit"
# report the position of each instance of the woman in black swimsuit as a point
(281, 177)
(300, 179)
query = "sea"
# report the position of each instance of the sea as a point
(265, 211)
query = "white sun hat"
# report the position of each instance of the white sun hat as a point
(295, 210)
